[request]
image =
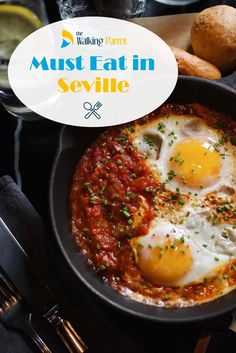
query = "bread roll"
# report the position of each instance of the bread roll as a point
(213, 36)
(191, 65)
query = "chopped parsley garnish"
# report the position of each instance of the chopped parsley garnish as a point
(130, 148)
(151, 142)
(161, 127)
(194, 204)
(104, 202)
(122, 138)
(110, 216)
(173, 138)
(119, 162)
(155, 199)
(224, 208)
(131, 129)
(125, 212)
(225, 234)
(92, 200)
(171, 174)
(233, 267)
(131, 195)
(102, 267)
(174, 245)
(133, 176)
(221, 142)
(172, 133)
(181, 201)
(104, 161)
(161, 251)
(177, 158)
(101, 192)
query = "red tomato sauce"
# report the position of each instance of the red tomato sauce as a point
(113, 183)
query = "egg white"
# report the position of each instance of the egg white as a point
(211, 246)
(210, 251)
(179, 129)
(219, 238)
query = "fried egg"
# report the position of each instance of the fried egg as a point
(156, 214)
(176, 255)
(187, 154)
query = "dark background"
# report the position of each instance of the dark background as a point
(104, 329)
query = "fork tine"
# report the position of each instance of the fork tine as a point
(6, 281)
(3, 300)
(3, 296)
(14, 315)
(8, 294)
(7, 291)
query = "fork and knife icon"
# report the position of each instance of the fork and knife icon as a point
(92, 110)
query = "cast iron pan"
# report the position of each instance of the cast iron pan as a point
(220, 95)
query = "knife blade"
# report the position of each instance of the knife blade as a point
(23, 274)
(20, 270)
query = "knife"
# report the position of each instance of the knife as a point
(35, 292)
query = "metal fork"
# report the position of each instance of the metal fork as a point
(15, 316)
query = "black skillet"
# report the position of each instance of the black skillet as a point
(220, 95)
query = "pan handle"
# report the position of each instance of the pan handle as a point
(229, 80)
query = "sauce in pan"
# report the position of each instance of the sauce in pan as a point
(117, 194)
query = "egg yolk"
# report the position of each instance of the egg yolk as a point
(195, 163)
(162, 264)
